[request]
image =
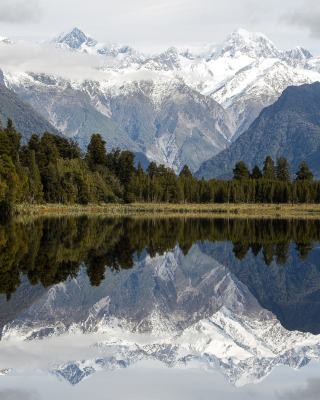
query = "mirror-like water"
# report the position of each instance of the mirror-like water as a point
(226, 303)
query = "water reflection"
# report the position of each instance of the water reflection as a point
(52, 250)
(235, 295)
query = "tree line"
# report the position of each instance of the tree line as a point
(53, 169)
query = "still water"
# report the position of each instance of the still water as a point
(174, 308)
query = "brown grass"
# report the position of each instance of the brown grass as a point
(244, 210)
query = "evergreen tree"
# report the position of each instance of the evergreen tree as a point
(304, 174)
(241, 171)
(269, 169)
(283, 170)
(14, 139)
(256, 173)
(96, 151)
(186, 172)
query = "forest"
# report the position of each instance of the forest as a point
(53, 169)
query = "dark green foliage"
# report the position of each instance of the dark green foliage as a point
(52, 169)
(269, 169)
(241, 171)
(96, 151)
(304, 174)
(283, 170)
(185, 172)
(256, 173)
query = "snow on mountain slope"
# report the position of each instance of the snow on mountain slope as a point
(115, 55)
(243, 74)
(244, 349)
(251, 55)
(165, 119)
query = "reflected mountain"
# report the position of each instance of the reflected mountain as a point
(236, 295)
(276, 259)
(183, 311)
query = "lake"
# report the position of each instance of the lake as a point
(159, 308)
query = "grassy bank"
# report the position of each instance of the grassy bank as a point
(261, 210)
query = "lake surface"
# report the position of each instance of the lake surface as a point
(172, 308)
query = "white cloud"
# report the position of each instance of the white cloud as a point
(17, 11)
(306, 16)
(32, 57)
(39, 58)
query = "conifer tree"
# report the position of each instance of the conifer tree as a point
(256, 173)
(241, 171)
(186, 172)
(304, 174)
(269, 169)
(283, 169)
(96, 151)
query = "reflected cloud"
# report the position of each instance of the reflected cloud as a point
(10, 394)
(311, 392)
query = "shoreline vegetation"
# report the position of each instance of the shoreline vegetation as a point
(166, 209)
(51, 174)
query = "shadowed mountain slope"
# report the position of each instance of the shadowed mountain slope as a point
(25, 118)
(290, 128)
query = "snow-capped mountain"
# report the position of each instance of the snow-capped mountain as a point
(5, 40)
(184, 311)
(116, 55)
(181, 106)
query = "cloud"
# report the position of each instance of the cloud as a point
(33, 57)
(10, 394)
(39, 58)
(19, 11)
(311, 392)
(306, 16)
(35, 354)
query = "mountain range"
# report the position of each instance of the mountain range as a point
(184, 105)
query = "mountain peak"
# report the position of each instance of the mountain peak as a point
(246, 35)
(252, 44)
(300, 53)
(73, 39)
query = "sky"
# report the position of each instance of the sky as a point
(150, 24)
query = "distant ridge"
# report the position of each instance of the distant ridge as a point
(290, 128)
(24, 117)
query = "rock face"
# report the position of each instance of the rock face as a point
(24, 117)
(183, 105)
(290, 128)
(184, 311)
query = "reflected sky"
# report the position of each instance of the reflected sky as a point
(153, 381)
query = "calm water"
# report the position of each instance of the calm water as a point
(175, 308)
